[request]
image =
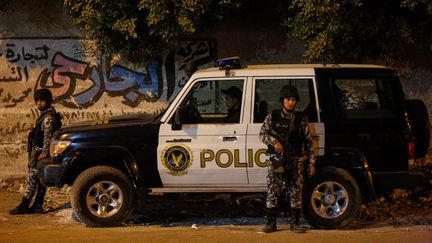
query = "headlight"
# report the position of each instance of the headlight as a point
(58, 146)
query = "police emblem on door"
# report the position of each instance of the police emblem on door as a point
(177, 158)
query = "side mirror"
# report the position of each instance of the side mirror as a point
(177, 124)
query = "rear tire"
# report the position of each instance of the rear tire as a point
(102, 197)
(331, 199)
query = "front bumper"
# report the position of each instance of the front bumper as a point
(50, 172)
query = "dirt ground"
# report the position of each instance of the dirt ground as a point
(403, 216)
(173, 220)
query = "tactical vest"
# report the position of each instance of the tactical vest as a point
(38, 135)
(288, 132)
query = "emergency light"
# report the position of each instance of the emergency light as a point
(228, 63)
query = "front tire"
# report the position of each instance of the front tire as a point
(331, 199)
(102, 196)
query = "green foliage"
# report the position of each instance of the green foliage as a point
(332, 30)
(358, 30)
(143, 29)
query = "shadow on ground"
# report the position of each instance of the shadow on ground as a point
(194, 210)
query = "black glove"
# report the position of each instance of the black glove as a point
(278, 163)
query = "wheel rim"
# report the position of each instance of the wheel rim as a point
(104, 199)
(329, 199)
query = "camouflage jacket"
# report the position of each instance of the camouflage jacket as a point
(268, 139)
(47, 127)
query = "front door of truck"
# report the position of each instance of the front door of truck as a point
(209, 148)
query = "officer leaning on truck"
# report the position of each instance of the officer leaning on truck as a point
(286, 132)
(38, 146)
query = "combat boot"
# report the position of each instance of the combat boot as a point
(22, 208)
(271, 222)
(39, 199)
(295, 225)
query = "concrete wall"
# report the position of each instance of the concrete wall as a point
(40, 47)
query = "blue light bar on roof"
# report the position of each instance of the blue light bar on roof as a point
(228, 63)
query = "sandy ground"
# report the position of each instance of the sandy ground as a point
(58, 225)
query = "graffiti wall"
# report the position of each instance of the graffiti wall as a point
(84, 86)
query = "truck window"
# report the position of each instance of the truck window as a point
(215, 101)
(267, 97)
(363, 98)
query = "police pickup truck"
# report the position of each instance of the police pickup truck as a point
(367, 137)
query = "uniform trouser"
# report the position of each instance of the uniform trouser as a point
(32, 179)
(293, 179)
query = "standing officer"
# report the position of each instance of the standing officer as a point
(286, 133)
(38, 146)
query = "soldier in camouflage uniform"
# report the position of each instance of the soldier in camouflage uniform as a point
(286, 133)
(38, 146)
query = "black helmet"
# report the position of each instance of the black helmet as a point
(43, 94)
(288, 91)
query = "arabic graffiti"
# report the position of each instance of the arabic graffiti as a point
(16, 75)
(63, 76)
(70, 117)
(85, 86)
(19, 127)
(134, 85)
(14, 56)
(195, 53)
(12, 135)
(68, 76)
(12, 102)
(67, 72)
(12, 153)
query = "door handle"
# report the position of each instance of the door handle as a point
(228, 139)
(179, 140)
